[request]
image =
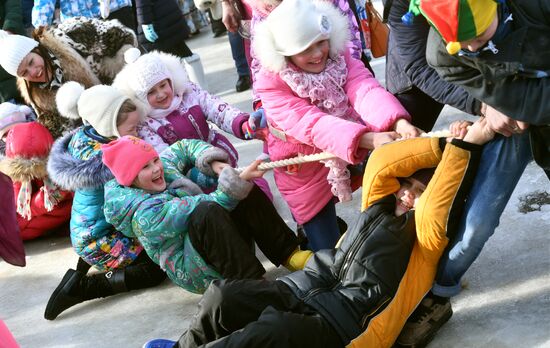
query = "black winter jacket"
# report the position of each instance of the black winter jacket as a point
(362, 275)
(167, 20)
(406, 64)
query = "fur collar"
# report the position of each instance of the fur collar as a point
(176, 70)
(269, 58)
(71, 173)
(21, 169)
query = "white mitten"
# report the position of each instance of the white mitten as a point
(105, 8)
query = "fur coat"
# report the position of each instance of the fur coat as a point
(90, 52)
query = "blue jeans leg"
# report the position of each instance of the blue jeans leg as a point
(237, 51)
(322, 230)
(502, 164)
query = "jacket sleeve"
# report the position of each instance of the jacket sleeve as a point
(378, 108)
(226, 117)
(440, 206)
(518, 97)
(394, 160)
(144, 12)
(13, 20)
(306, 123)
(42, 12)
(408, 54)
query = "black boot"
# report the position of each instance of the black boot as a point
(65, 295)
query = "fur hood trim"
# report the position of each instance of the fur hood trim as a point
(176, 70)
(264, 42)
(71, 173)
(24, 169)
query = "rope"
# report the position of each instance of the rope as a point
(295, 160)
(325, 155)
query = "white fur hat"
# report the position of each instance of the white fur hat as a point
(14, 49)
(11, 114)
(143, 72)
(296, 24)
(98, 105)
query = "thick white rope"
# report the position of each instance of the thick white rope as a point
(325, 155)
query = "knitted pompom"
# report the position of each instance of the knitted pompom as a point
(25, 109)
(67, 99)
(3, 34)
(131, 55)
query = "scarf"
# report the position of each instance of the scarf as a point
(162, 113)
(57, 74)
(52, 196)
(326, 91)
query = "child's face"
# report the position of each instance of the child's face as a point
(151, 177)
(408, 194)
(478, 42)
(314, 58)
(32, 68)
(129, 126)
(161, 95)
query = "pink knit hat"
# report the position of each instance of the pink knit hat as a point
(126, 157)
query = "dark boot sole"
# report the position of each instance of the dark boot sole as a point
(430, 336)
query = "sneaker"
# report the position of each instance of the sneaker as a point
(243, 83)
(159, 343)
(424, 322)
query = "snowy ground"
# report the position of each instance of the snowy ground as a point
(505, 303)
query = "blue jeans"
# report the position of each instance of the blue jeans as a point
(502, 164)
(322, 230)
(237, 51)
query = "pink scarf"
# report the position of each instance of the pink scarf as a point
(326, 91)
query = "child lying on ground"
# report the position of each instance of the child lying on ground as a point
(371, 283)
(195, 237)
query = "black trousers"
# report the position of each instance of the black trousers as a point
(126, 16)
(424, 109)
(226, 239)
(256, 313)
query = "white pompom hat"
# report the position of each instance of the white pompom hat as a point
(293, 26)
(11, 114)
(98, 106)
(14, 49)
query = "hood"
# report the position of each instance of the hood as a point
(24, 169)
(71, 173)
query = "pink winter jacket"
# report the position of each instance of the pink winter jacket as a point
(309, 130)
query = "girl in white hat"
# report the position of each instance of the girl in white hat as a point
(89, 51)
(318, 98)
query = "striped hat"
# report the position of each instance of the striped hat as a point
(455, 20)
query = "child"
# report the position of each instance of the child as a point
(10, 115)
(75, 164)
(359, 294)
(195, 238)
(318, 99)
(41, 205)
(178, 109)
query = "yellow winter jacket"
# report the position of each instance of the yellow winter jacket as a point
(443, 198)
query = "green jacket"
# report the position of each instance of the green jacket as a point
(10, 20)
(160, 220)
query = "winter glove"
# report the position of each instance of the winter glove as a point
(149, 32)
(257, 119)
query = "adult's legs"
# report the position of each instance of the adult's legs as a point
(502, 164)
(125, 16)
(256, 313)
(222, 244)
(239, 57)
(322, 230)
(257, 217)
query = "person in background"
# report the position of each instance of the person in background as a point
(11, 21)
(10, 115)
(43, 11)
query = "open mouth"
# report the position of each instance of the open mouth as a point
(405, 206)
(158, 180)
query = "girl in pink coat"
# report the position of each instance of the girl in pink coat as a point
(318, 98)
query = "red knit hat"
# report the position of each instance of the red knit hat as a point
(28, 140)
(126, 157)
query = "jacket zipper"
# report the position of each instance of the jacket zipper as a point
(369, 316)
(355, 248)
